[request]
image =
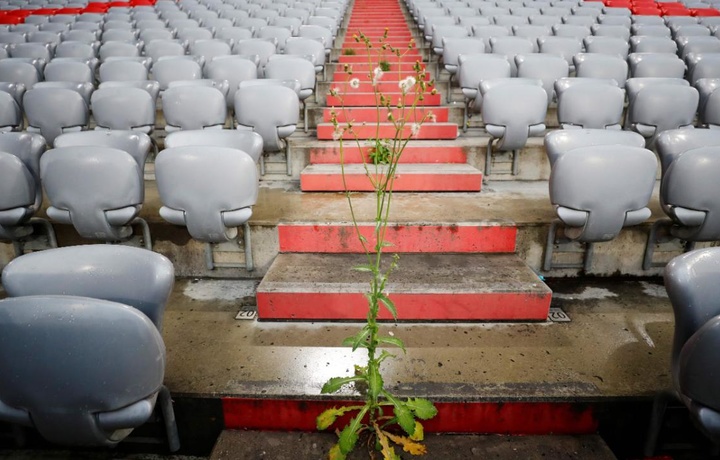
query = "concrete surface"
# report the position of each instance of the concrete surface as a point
(234, 445)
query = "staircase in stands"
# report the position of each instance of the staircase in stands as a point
(449, 271)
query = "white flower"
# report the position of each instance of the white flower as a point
(337, 133)
(355, 83)
(414, 129)
(407, 84)
(377, 75)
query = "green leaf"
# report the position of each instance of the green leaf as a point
(423, 408)
(404, 417)
(328, 417)
(389, 305)
(384, 355)
(375, 382)
(335, 383)
(363, 268)
(392, 341)
(349, 435)
(359, 339)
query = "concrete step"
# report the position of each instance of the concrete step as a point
(387, 130)
(413, 153)
(327, 238)
(408, 177)
(236, 444)
(439, 287)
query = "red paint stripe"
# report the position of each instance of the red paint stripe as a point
(411, 154)
(404, 238)
(491, 306)
(514, 418)
(388, 131)
(436, 182)
(372, 114)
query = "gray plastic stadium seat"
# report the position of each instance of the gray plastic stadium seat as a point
(532, 33)
(272, 111)
(687, 45)
(454, 47)
(11, 116)
(52, 111)
(193, 107)
(601, 66)
(97, 190)
(598, 190)
(119, 36)
(651, 30)
(275, 33)
(473, 70)
(673, 143)
(20, 189)
(702, 65)
(101, 389)
(150, 35)
(84, 89)
(136, 277)
(13, 71)
(232, 69)
(233, 34)
(166, 70)
(658, 104)
(137, 144)
(640, 44)
(605, 30)
(122, 71)
(441, 32)
(210, 190)
(662, 65)
(691, 284)
(545, 67)
(559, 141)
(117, 49)
(487, 32)
(589, 103)
(209, 49)
(283, 67)
(16, 90)
(511, 47)
(512, 110)
(256, 46)
(709, 106)
(75, 49)
(150, 86)
(249, 142)
(68, 71)
(607, 45)
(572, 31)
(168, 47)
(565, 47)
(30, 50)
(191, 35)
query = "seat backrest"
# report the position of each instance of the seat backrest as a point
(150, 86)
(691, 284)
(209, 49)
(233, 69)
(513, 109)
(601, 66)
(544, 67)
(167, 47)
(30, 50)
(454, 47)
(211, 190)
(11, 117)
(18, 72)
(193, 107)
(52, 110)
(674, 142)
(702, 65)
(249, 142)
(300, 46)
(565, 47)
(607, 184)
(709, 107)
(532, 32)
(77, 374)
(122, 71)
(607, 45)
(284, 67)
(118, 49)
(559, 141)
(262, 48)
(132, 276)
(662, 65)
(649, 44)
(440, 32)
(572, 30)
(689, 187)
(275, 33)
(475, 68)
(697, 44)
(589, 103)
(270, 110)
(166, 70)
(135, 143)
(68, 71)
(606, 30)
(233, 34)
(655, 107)
(98, 190)
(511, 47)
(18, 195)
(123, 109)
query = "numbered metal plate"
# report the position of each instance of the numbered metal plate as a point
(248, 312)
(557, 315)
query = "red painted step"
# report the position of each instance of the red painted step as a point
(375, 57)
(412, 154)
(506, 417)
(372, 114)
(395, 67)
(405, 238)
(408, 178)
(424, 287)
(373, 130)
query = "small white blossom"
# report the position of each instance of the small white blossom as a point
(407, 84)
(431, 117)
(355, 83)
(377, 75)
(334, 91)
(337, 133)
(414, 129)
